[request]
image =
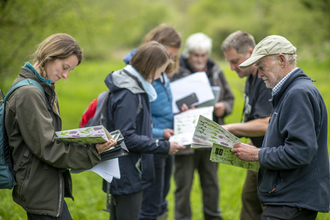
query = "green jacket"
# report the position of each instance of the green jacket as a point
(31, 121)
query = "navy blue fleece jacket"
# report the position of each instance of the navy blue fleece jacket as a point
(294, 160)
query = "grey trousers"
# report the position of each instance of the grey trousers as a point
(185, 166)
(251, 206)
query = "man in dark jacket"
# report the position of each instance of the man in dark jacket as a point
(237, 48)
(293, 180)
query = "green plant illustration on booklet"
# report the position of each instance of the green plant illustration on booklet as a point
(210, 134)
(88, 135)
(223, 154)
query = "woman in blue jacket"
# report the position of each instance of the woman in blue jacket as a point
(130, 87)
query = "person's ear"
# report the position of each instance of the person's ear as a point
(249, 52)
(282, 60)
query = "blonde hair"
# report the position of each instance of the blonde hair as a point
(148, 58)
(56, 46)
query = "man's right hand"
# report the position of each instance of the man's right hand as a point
(175, 147)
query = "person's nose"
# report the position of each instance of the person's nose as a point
(200, 59)
(65, 74)
(232, 67)
(260, 74)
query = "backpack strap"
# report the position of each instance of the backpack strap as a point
(24, 83)
(26, 152)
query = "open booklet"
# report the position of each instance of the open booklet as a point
(210, 134)
(88, 135)
(185, 123)
(96, 135)
(109, 166)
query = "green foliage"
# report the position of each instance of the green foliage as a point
(85, 83)
(107, 27)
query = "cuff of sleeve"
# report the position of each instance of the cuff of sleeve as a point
(94, 152)
(260, 156)
(167, 146)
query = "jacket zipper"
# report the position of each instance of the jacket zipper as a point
(60, 195)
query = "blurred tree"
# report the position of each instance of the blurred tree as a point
(100, 28)
(22, 25)
(322, 7)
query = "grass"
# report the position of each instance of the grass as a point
(84, 84)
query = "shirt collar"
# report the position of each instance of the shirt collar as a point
(279, 85)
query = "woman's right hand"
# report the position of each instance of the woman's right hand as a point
(175, 147)
(105, 146)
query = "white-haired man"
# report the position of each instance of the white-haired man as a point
(293, 180)
(196, 58)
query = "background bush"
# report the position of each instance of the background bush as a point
(107, 29)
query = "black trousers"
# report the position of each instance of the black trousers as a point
(287, 213)
(126, 207)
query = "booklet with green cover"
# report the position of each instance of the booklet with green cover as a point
(210, 134)
(89, 135)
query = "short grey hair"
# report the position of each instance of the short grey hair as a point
(240, 41)
(291, 58)
(195, 42)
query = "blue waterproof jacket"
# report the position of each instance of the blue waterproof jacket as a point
(137, 131)
(294, 160)
(161, 108)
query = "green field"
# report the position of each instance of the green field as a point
(84, 84)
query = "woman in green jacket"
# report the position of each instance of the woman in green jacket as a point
(31, 121)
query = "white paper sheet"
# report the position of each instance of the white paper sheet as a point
(197, 83)
(185, 123)
(216, 92)
(106, 169)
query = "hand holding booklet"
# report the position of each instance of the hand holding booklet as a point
(96, 135)
(210, 134)
(109, 166)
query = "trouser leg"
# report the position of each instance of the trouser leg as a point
(126, 206)
(169, 162)
(153, 194)
(208, 172)
(183, 176)
(251, 206)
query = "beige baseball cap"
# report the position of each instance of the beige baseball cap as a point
(270, 45)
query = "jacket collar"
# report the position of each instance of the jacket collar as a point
(298, 74)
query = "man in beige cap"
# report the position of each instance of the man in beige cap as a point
(293, 180)
(237, 48)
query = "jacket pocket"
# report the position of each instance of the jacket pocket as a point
(24, 175)
(268, 181)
